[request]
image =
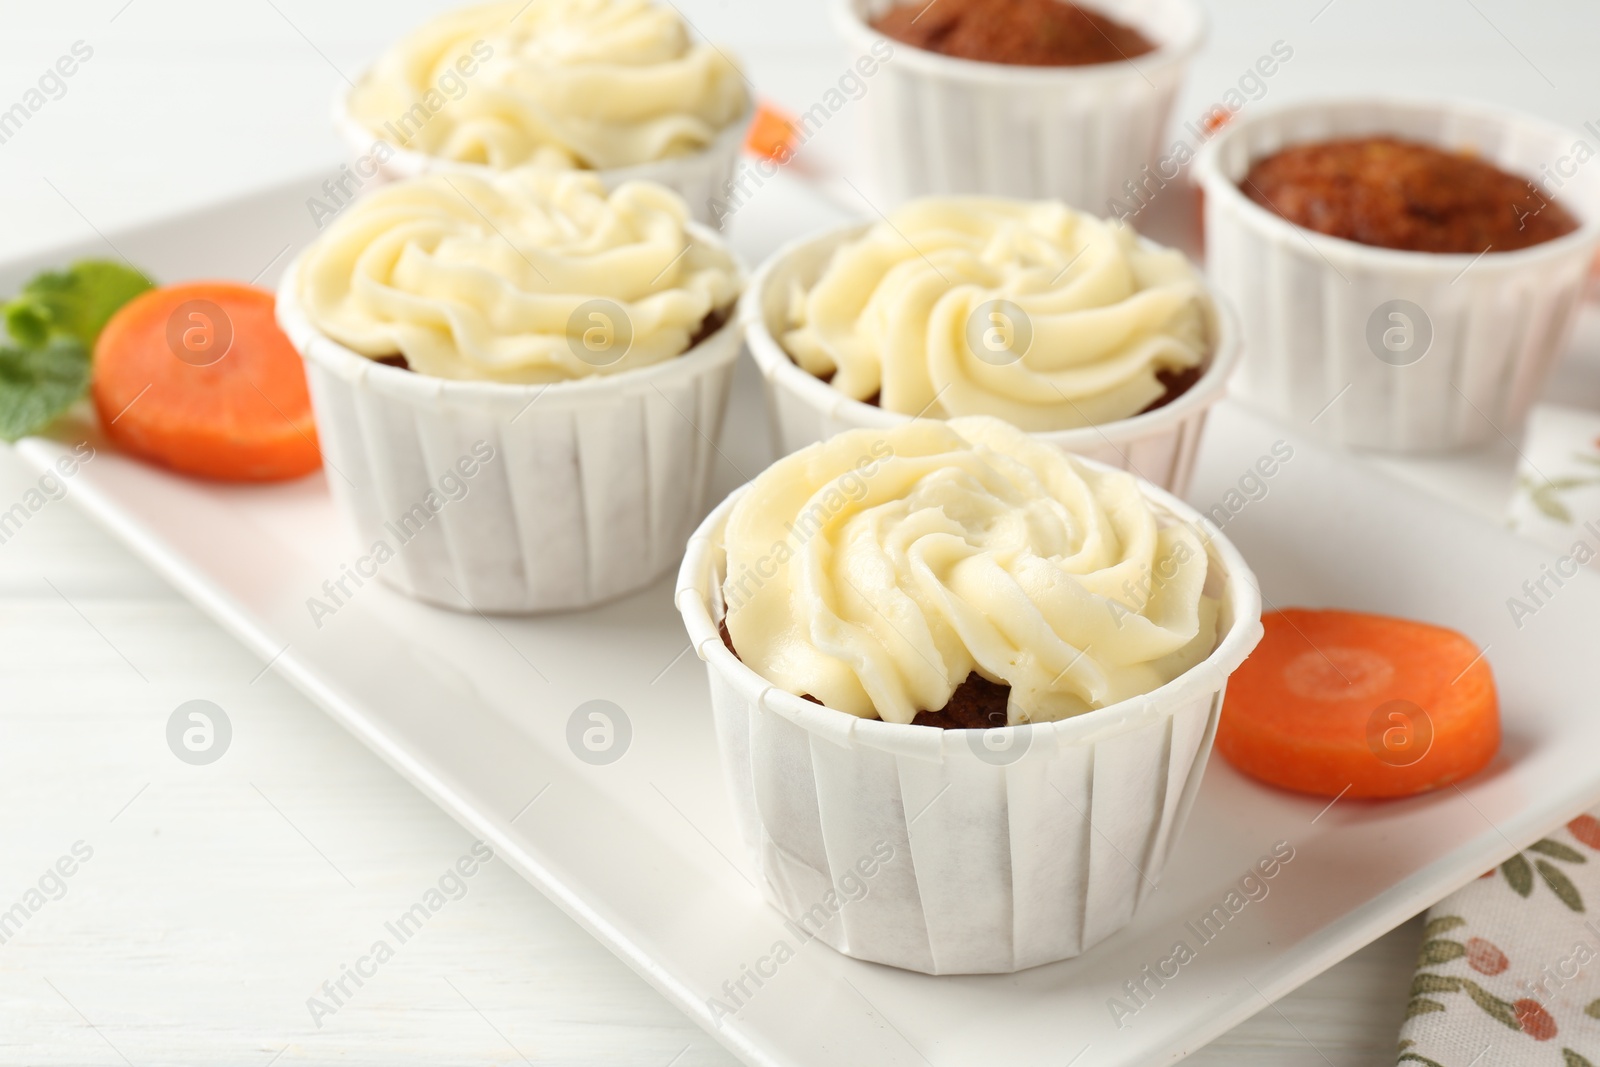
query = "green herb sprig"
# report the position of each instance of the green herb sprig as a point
(53, 326)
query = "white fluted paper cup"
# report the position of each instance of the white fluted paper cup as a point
(1159, 446)
(963, 851)
(938, 125)
(702, 178)
(516, 499)
(1394, 350)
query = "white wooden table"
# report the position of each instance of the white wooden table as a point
(219, 898)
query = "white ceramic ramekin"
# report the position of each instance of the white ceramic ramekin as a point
(703, 178)
(591, 491)
(1159, 446)
(1007, 848)
(1323, 346)
(939, 125)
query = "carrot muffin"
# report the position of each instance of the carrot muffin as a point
(591, 84)
(526, 277)
(514, 376)
(1391, 193)
(961, 574)
(879, 574)
(1029, 311)
(1029, 33)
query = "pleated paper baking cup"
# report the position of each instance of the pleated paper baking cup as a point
(514, 499)
(703, 178)
(1159, 446)
(962, 851)
(940, 125)
(1393, 350)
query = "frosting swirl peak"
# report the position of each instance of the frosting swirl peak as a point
(1028, 311)
(591, 84)
(514, 278)
(877, 570)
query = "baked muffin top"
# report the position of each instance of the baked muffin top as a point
(1025, 33)
(1405, 195)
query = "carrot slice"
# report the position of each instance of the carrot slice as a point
(199, 378)
(1336, 702)
(772, 134)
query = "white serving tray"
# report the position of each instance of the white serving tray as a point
(643, 851)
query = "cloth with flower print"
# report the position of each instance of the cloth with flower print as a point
(1509, 972)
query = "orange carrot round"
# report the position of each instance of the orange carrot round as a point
(772, 134)
(1338, 702)
(199, 378)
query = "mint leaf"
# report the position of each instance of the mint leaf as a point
(28, 320)
(76, 302)
(38, 384)
(55, 321)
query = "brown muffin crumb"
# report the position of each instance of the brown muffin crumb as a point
(1177, 381)
(710, 325)
(708, 328)
(1024, 33)
(1390, 193)
(977, 703)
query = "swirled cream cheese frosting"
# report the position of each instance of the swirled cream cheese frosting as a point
(593, 84)
(530, 276)
(876, 571)
(1028, 311)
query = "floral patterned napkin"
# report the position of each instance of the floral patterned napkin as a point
(1557, 499)
(1509, 973)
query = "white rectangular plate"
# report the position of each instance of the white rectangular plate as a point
(643, 852)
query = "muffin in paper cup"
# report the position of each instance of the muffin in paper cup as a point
(1158, 445)
(505, 496)
(935, 124)
(960, 851)
(484, 88)
(1396, 350)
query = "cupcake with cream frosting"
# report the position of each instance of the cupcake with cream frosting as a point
(962, 555)
(619, 87)
(1065, 325)
(1004, 647)
(488, 280)
(582, 336)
